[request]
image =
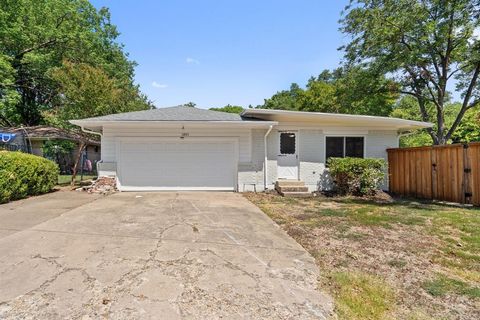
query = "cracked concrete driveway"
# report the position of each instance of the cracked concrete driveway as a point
(151, 256)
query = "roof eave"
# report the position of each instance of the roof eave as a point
(395, 123)
(98, 123)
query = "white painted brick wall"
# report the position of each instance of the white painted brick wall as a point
(250, 176)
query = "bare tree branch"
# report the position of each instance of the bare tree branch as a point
(38, 46)
(466, 101)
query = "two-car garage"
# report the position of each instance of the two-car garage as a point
(179, 148)
(176, 164)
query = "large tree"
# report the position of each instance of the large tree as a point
(36, 36)
(290, 99)
(467, 131)
(353, 90)
(427, 46)
(86, 91)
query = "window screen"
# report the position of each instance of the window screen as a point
(287, 143)
(334, 147)
(354, 147)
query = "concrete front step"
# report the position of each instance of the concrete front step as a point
(292, 189)
(295, 194)
(289, 183)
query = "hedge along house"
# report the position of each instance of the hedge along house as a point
(184, 148)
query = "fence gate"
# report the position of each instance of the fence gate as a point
(448, 173)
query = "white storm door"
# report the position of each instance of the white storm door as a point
(287, 158)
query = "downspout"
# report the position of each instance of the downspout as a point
(98, 134)
(265, 167)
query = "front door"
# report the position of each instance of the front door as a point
(287, 159)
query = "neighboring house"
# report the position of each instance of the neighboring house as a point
(32, 140)
(184, 148)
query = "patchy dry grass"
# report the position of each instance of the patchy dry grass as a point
(361, 296)
(401, 260)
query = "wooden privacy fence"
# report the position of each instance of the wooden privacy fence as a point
(447, 173)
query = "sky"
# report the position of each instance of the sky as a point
(219, 52)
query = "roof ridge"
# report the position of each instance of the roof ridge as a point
(174, 113)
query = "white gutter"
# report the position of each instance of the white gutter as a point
(265, 170)
(341, 117)
(91, 132)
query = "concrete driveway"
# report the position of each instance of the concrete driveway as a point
(151, 256)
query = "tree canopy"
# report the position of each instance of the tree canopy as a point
(229, 108)
(352, 90)
(45, 45)
(88, 91)
(467, 131)
(426, 46)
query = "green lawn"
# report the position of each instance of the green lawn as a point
(66, 179)
(401, 260)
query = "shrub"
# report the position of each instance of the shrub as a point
(357, 176)
(23, 175)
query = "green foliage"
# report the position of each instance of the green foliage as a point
(362, 91)
(190, 104)
(54, 148)
(285, 100)
(345, 90)
(88, 91)
(467, 131)
(37, 36)
(23, 175)
(9, 97)
(230, 109)
(425, 46)
(357, 176)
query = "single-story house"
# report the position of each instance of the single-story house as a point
(185, 148)
(32, 140)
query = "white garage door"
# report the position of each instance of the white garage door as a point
(177, 165)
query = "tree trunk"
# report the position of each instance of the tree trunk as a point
(81, 146)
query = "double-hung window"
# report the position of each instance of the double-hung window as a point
(341, 147)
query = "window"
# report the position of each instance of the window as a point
(287, 143)
(354, 147)
(340, 147)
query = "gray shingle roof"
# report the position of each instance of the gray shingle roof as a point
(179, 113)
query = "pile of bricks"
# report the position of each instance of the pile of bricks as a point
(103, 185)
